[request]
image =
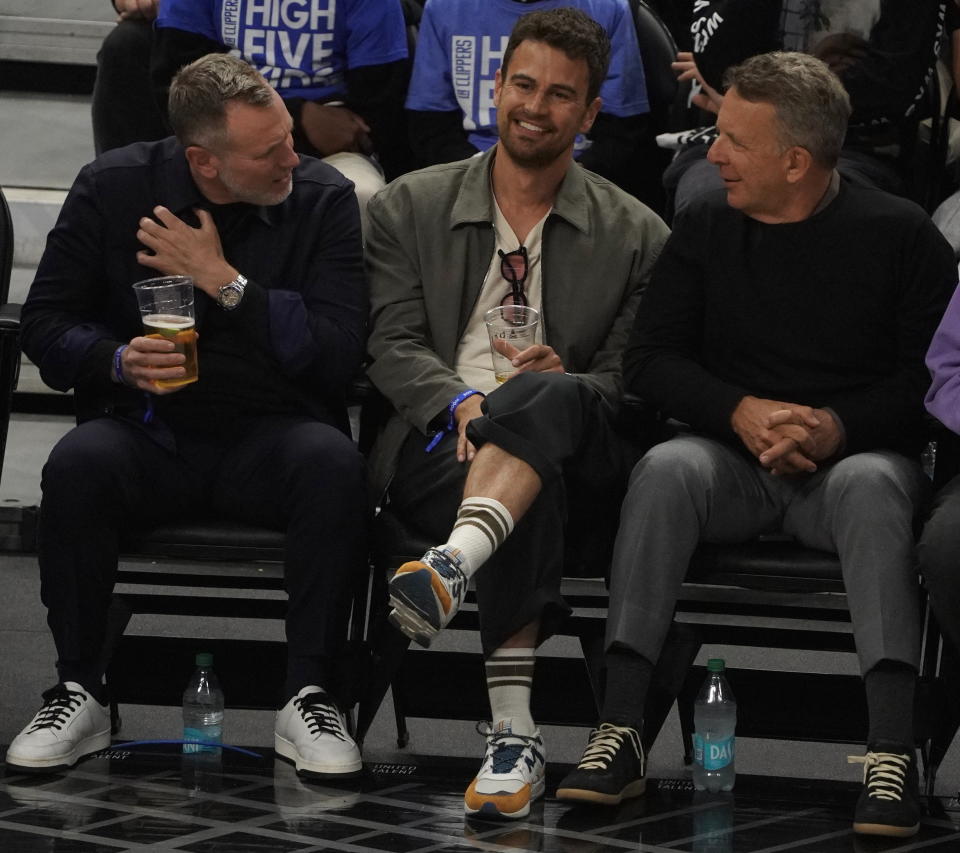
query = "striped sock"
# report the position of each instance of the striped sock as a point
(482, 525)
(509, 684)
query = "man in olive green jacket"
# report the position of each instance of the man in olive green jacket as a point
(522, 225)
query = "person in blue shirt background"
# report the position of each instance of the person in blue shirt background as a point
(340, 66)
(459, 49)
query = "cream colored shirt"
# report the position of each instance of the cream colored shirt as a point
(474, 362)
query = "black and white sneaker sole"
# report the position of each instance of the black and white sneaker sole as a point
(412, 599)
(411, 622)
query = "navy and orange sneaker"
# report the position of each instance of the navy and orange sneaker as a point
(511, 776)
(426, 593)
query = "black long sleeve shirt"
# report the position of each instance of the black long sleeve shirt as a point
(835, 311)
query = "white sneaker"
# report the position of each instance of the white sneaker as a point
(312, 733)
(70, 725)
(511, 777)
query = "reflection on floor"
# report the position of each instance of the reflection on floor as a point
(150, 798)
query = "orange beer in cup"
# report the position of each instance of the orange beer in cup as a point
(166, 308)
(181, 331)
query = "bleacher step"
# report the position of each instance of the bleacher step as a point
(34, 212)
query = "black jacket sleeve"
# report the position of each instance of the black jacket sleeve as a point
(615, 143)
(172, 49)
(376, 93)
(438, 137)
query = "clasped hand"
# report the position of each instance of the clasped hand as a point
(176, 248)
(128, 9)
(786, 438)
(332, 129)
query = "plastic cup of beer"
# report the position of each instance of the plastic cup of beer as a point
(512, 328)
(166, 307)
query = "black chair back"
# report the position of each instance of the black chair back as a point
(657, 50)
(6, 247)
(9, 325)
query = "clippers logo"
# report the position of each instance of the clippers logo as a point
(473, 70)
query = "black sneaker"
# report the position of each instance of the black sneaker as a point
(611, 769)
(890, 801)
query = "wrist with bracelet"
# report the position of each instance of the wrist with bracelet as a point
(118, 376)
(451, 419)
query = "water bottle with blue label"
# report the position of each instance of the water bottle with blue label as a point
(714, 723)
(203, 709)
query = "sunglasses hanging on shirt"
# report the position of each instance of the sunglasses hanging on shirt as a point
(514, 269)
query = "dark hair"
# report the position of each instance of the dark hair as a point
(200, 92)
(569, 30)
(812, 107)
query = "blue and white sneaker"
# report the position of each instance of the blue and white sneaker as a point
(426, 593)
(511, 776)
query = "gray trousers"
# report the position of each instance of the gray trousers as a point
(693, 488)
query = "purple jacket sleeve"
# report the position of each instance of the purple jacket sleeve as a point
(943, 359)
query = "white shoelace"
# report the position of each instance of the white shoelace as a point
(604, 743)
(884, 773)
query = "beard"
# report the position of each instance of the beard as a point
(251, 195)
(533, 156)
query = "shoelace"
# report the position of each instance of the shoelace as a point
(507, 747)
(604, 743)
(884, 773)
(444, 567)
(321, 715)
(58, 704)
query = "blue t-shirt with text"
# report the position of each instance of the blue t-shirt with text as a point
(302, 47)
(461, 44)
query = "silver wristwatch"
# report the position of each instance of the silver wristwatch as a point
(229, 296)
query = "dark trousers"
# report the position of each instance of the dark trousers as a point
(288, 472)
(558, 425)
(124, 109)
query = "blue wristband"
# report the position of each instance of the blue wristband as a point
(451, 421)
(118, 364)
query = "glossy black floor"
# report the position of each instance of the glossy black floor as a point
(147, 798)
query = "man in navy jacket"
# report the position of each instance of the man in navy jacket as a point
(272, 243)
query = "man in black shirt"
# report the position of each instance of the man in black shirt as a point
(272, 243)
(786, 323)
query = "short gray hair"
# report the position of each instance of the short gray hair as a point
(812, 107)
(200, 92)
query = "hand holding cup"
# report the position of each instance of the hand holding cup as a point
(166, 308)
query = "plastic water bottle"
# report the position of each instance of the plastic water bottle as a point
(203, 708)
(714, 723)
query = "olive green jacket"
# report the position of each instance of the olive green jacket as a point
(428, 250)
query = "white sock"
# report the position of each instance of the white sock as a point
(481, 527)
(509, 685)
